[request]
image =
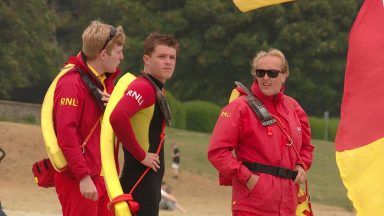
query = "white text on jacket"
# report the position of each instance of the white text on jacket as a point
(136, 96)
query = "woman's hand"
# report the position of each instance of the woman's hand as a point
(301, 175)
(252, 181)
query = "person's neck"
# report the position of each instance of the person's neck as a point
(97, 66)
(146, 71)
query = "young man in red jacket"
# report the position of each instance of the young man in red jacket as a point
(138, 122)
(80, 188)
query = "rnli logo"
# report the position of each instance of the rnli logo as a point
(69, 102)
(138, 97)
(226, 114)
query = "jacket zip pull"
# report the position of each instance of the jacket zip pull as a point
(290, 141)
(269, 129)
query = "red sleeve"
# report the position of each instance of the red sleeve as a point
(224, 139)
(68, 105)
(306, 150)
(140, 94)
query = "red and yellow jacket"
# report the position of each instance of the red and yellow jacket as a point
(239, 129)
(75, 113)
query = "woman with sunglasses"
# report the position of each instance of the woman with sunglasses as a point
(264, 170)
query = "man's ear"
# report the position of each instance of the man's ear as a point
(103, 54)
(145, 59)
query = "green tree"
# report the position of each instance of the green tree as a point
(28, 49)
(314, 36)
(217, 43)
(75, 16)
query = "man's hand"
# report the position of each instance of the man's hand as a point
(152, 161)
(252, 181)
(104, 97)
(301, 175)
(88, 188)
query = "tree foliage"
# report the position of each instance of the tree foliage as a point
(217, 43)
(28, 49)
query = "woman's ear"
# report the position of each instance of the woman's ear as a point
(285, 77)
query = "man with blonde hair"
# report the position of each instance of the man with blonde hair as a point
(79, 100)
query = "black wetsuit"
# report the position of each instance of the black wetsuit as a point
(142, 93)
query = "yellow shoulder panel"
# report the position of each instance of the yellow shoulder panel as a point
(235, 94)
(140, 124)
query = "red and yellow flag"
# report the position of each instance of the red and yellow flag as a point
(360, 136)
(247, 5)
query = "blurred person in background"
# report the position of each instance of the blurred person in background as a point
(175, 160)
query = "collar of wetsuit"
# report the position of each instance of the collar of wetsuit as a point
(157, 82)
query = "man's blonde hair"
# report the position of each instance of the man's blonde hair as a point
(96, 35)
(270, 52)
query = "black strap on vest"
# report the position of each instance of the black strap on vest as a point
(261, 112)
(92, 87)
(271, 170)
(164, 107)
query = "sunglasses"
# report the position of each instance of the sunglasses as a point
(112, 33)
(271, 73)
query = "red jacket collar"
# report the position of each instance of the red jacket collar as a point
(263, 98)
(80, 61)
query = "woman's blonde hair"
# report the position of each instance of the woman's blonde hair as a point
(270, 52)
(96, 35)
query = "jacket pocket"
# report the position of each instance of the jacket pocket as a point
(258, 188)
(239, 192)
(254, 187)
(264, 196)
(241, 195)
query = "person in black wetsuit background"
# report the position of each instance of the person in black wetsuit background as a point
(175, 160)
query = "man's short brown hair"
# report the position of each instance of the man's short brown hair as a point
(96, 35)
(154, 39)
